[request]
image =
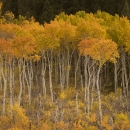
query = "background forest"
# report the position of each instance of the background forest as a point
(62, 68)
(45, 10)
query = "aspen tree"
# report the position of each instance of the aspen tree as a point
(67, 40)
(51, 42)
(99, 50)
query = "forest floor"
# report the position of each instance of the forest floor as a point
(68, 111)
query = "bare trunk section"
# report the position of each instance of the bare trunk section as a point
(76, 69)
(4, 96)
(124, 73)
(124, 76)
(115, 82)
(61, 69)
(98, 95)
(56, 70)
(4, 75)
(115, 76)
(49, 56)
(68, 67)
(93, 83)
(90, 74)
(86, 77)
(30, 76)
(43, 72)
(86, 96)
(11, 86)
(81, 78)
(68, 60)
(20, 81)
(23, 77)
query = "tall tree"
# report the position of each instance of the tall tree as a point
(99, 50)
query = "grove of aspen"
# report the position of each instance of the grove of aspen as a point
(72, 73)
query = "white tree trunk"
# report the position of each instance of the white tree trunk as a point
(56, 70)
(30, 74)
(93, 84)
(81, 78)
(124, 73)
(76, 69)
(4, 75)
(49, 56)
(115, 76)
(43, 72)
(86, 82)
(11, 87)
(61, 69)
(68, 60)
(86, 77)
(98, 95)
(20, 81)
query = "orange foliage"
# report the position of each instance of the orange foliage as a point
(100, 50)
(61, 125)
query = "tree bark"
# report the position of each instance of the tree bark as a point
(49, 56)
(98, 95)
(11, 87)
(20, 81)
(4, 75)
(43, 72)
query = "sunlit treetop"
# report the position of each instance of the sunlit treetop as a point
(37, 32)
(117, 28)
(90, 29)
(100, 50)
(17, 40)
(67, 32)
(51, 35)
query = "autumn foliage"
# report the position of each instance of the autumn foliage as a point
(71, 73)
(100, 50)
